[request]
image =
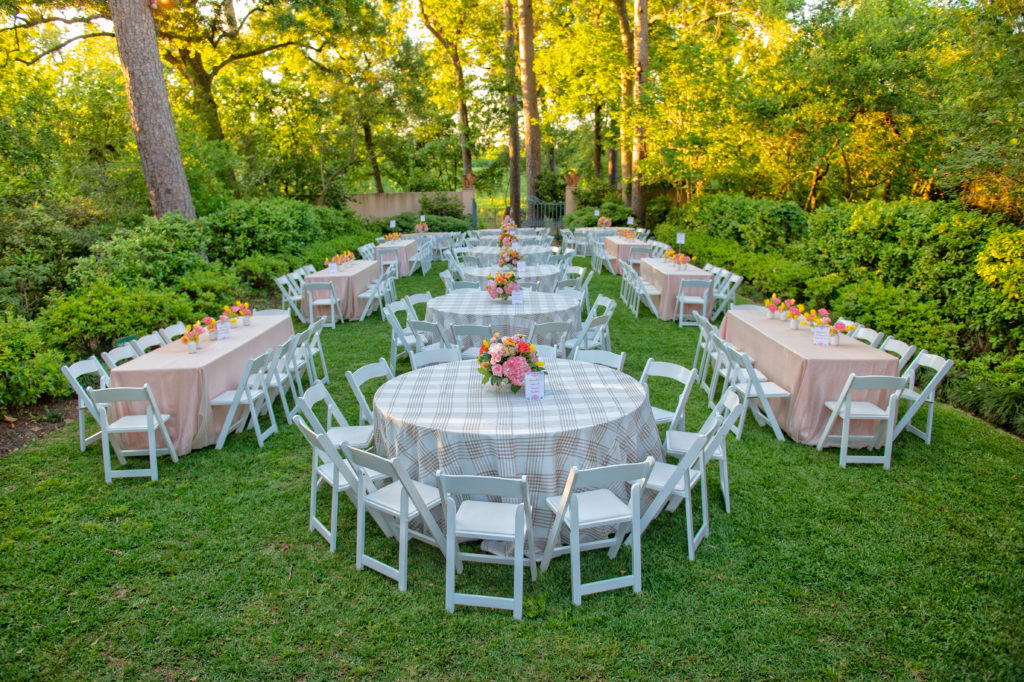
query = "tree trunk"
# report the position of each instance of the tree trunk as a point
(370, 152)
(613, 166)
(598, 149)
(639, 202)
(530, 109)
(551, 159)
(150, 108)
(190, 65)
(625, 97)
(514, 192)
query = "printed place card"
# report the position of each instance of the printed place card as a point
(629, 220)
(597, 213)
(423, 218)
(533, 382)
(517, 297)
(821, 335)
(392, 224)
(680, 237)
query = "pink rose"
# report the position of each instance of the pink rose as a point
(496, 370)
(516, 369)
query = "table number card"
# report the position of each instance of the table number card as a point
(517, 297)
(680, 238)
(821, 335)
(423, 218)
(533, 382)
(392, 224)
(629, 220)
(597, 213)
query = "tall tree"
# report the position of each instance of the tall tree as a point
(514, 191)
(150, 108)
(638, 200)
(530, 107)
(625, 96)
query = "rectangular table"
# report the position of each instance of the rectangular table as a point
(666, 277)
(184, 383)
(349, 281)
(617, 247)
(405, 249)
(812, 374)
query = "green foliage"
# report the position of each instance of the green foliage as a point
(992, 387)
(257, 271)
(29, 367)
(595, 193)
(405, 222)
(550, 186)
(88, 320)
(441, 204)
(658, 208)
(1001, 264)
(584, 216)
(212, 286)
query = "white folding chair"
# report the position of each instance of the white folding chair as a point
(315, 349)
(591, 335)
(149, 423)
(278, 378)
(337, 430)
(73, 373)
(144, 343)
(290, 298)
(403, 339)
(725, 297)
(320, 295)
(924, 396)
(587, 502)
(755, 392)
(506, 520)
(669, 370)
(847, 409)
(868, 336)
(356, 379)
(698, 300)
(478, 333)
(119, 354)
(903, 351)
(171, 332)
(434, 356)
(412, 300)
(251, 393)
(558, 329)
(398, 503)
(602, 357)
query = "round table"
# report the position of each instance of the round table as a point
(477, 307)
(547, 275)
(531, 255)
(442, 418)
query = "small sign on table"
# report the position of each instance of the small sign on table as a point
(597, 213)
(821, 335)
(533, 382)
(629, 220)
(517, 297)
(680, 238)
(392, 224)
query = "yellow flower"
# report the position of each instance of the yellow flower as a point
(540, 363)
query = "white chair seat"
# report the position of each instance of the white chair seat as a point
(326, 472)
(597, 508)
(662, 471)
(859, 409)
(359, 436)
(323, 301)
(679, 441)
(227, 397)
(486, 520)
(389, 498)
(132, 423)
(662, 416)
(771, 389)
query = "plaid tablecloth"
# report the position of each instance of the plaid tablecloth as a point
(477, 307)
(442, 417)
(532, 255)
(547, 275)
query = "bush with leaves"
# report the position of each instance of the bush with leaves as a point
(405, 223)
(592, 192)
(29, 367)
(441, 204)
(584, 216)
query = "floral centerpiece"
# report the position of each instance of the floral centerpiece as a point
(508, 256)
(340, 258)
(421, 227)
(392, 236)
(627, 233)
(676, 257)
(604, 221)
(508, 360)
(243, 311)
(191, 336)
(501, 285)
(508, 222)
(507, 235)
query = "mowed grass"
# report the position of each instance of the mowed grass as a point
(818, 573)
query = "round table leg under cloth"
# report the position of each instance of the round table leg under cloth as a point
(442, 417)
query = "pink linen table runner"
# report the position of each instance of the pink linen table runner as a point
(183, 383)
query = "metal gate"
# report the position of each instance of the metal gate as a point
(544, 213)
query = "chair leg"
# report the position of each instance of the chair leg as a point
(312, 494)
(449, 562)
(334, 516)
(574, 551)
(845, 444)
(517, 565)
(360, 529)
(637, 532)
(151, 437)
(106, 459)
(403, 544)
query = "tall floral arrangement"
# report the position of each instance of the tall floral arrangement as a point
(604, 221)
(508, 256)
(421, 227)
(508, 359)
(501, 285)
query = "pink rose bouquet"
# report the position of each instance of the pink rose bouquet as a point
(508, 359)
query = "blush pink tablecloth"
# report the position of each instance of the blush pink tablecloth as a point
(405, 248)
(812, 374)
(349, 281)
(666, 277)
(184, 383)
(617, 247)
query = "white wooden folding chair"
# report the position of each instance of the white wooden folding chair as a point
(602, 357)
(403, 340)
(149, 423)
(171, 332)
(290, 298)
(412, 300)
(867, 335)
(669, 370)
(903, 351)
(697, 300)
(591, 335)
(144, 343)
(119, 354)
(478, 517)
(356, 379)
(399, 503)
(315, 351)
(847, 409)
(320, 295)
(726, 296)
(587, 502)
(337, 427)
(251, 393)
(478, 333)
(540, 330)
(73, 373)
(924, 396)
(755, 392)
(434, 356)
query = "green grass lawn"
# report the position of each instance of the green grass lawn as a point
(819, 572)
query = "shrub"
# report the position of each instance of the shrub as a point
(584, 216)
(992, 387)
(89, 320)
(404, 222)
(211, 287)
(257, 271)
(441, 204)
(550, 186)
(592, 193)
(658, 208)
(29, 367)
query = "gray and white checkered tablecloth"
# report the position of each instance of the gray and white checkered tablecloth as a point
(546, 275)
(531, 255)
(477, 307)
(442, 417)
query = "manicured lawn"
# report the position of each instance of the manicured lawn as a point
(819, 572)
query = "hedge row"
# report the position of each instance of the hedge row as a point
(929, 273)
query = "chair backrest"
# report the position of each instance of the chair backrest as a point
(868, 336)
(478, 487)
(638, 252)
(703, 284)
(118, 354)
(412, 300)
(575, 271)
(423, 331)
(893, 385)
(560, 328)
(102, 397)
(903, 351)
(374, 370)
(286, 286)
(446, 279)
(326, 451)
(144, 343)
(74, 372)
(308, 401)
(173, 331)
(669, 370)
(467, 286)
(593, 330)
(602, 357)
(269, 311)
(436, 356)
(320, 287)
(936, 363)
(478, 332)
(603, 477)
(308, 269)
